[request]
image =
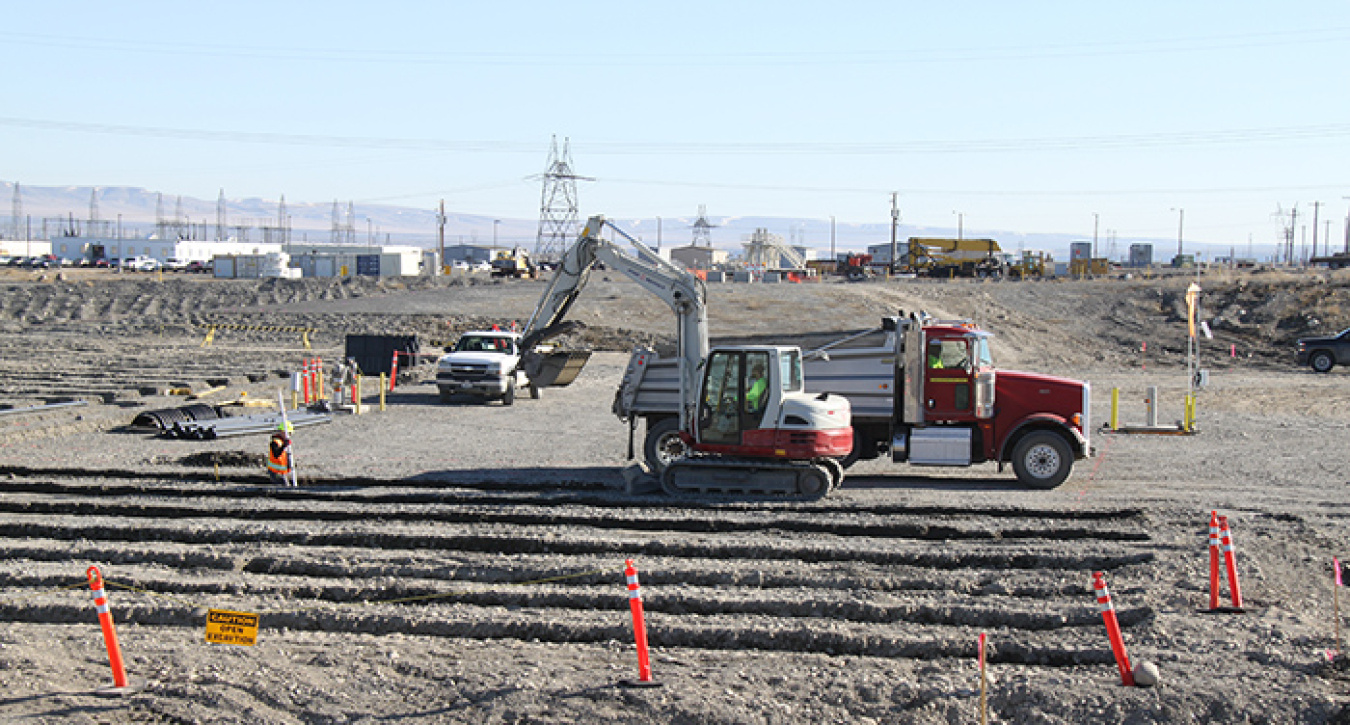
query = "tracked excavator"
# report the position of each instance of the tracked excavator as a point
(745, 423)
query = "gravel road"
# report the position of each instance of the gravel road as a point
(464, 562)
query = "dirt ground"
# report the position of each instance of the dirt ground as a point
(463, 563)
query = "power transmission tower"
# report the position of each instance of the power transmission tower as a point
(558, 204)
(703, 228)
(351, 222)
(179, 220)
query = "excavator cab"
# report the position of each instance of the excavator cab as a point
(739, 391)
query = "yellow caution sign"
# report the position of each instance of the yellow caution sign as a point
(223, 627)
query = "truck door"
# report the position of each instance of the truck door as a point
(737, 388)
(947, 383)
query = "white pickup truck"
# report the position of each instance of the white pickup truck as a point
(484, 363)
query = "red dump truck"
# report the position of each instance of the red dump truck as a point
(922, 391)
(926, 392)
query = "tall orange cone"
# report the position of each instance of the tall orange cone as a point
(1113, 629)
(639, 628)
(105, 621)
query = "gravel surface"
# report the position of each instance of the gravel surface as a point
(464, 562)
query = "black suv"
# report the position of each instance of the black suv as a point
(1324, 353)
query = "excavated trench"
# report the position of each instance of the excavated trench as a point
(500, 561)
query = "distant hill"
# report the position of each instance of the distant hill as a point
(138, 210)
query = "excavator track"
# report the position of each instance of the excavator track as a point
(802, 480)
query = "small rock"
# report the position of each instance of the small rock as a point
(1145, 674)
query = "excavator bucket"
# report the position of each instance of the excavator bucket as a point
(555, 368)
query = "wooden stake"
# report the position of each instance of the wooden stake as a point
(984, 700)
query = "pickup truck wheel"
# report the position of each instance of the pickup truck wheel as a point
(1322, 361)
(509, 397)
(663, 445)
(1042, 459)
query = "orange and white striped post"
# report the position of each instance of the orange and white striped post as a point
(1113, 629)
(393, 372)
(305, 373)
(639, 623)
(1230, 561)
(1213, 560)
(109, 632)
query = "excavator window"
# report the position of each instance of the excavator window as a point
(719, 414)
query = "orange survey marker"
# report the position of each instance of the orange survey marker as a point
(639, 628)
(1113, 629)
(105, 621)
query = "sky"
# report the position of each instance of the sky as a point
(1139, 120)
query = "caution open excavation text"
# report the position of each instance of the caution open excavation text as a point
(224, 627)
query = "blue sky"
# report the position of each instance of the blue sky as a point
(1026, 117)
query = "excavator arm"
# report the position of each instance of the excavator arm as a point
(681, 291)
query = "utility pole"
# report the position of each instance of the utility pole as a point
(895, 226)
(440, 234)
(1095, 220)
(1316, 207)
(833, 257)
(1347, 227)
(1181, 223)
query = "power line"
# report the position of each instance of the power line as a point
(673, 148)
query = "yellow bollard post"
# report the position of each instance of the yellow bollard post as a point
(383, 387)
(1115, 408)
(356, 394)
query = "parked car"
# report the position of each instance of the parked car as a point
(15, 262)
(145, 264)
(199, 267)
(175, 265)
(101, 263)
(1324, 353)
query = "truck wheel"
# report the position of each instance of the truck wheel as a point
(509, 397)
(446, 395)
(1322, 361)
(1042, 459)
(663, 444)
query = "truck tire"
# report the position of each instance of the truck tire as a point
(663, 444)
(1321, 361)
(509, 397)
(446, 395)
(1042, 459)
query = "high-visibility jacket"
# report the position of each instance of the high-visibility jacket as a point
(279, 456)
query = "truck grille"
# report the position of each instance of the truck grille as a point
(463, 371)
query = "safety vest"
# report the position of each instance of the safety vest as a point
(279, 464)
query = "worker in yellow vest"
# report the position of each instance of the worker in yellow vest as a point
(279, 468)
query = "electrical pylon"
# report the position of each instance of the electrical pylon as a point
(558, 204)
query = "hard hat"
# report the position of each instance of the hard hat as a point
(286, 427)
